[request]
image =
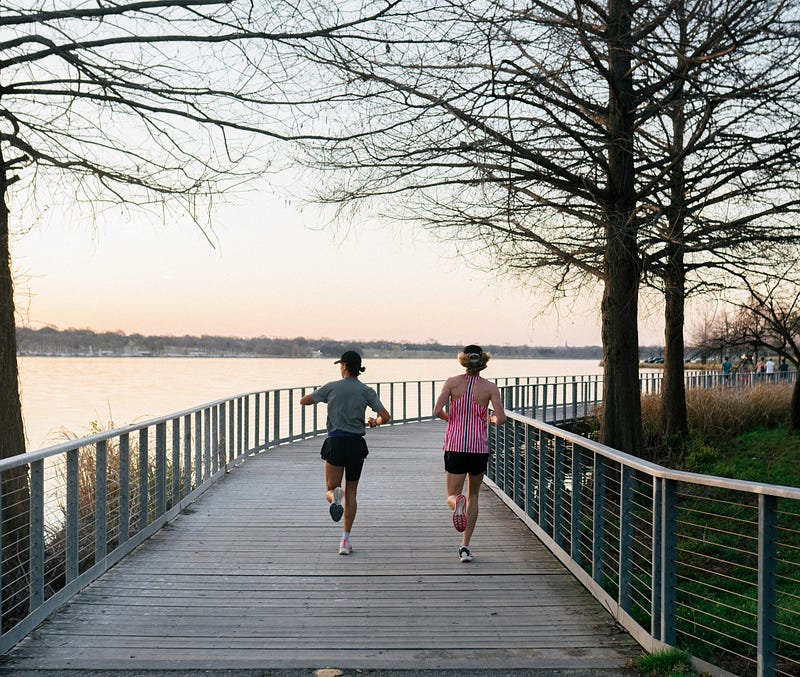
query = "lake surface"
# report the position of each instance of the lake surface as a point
(70, 392)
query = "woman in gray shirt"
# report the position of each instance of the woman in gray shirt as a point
(345, 449)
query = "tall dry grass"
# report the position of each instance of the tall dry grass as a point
(720, 414)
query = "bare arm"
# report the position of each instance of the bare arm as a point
(499, 415)
(441, 402)
(382, 417)
(305, 400)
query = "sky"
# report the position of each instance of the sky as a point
(279, 270)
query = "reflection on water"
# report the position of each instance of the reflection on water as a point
(71, 392)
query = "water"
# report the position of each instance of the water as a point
(70, 392)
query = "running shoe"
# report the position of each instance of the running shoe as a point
(344, 546)
(336, 508)
(463, 554)
(460, 513)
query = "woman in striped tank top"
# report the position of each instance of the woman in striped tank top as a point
(466, 442)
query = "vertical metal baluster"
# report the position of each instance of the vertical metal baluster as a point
(187, 455)
(558, 492)
(72, 553)
(124, 489)
(767, 589)
(144, 461)
(669, 559)
(36, 589)
(176, 463)
(598, 519)
(627, 515)
(100, 501)
(161, 469)
(257, 417)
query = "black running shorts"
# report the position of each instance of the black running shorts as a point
(465, 463)
(348, 452)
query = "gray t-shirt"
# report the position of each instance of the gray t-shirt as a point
(347, 401)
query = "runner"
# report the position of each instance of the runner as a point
(345, 449)
(466, 442)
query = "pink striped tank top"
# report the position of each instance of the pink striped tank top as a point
(467, 429)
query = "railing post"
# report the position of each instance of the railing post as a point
(767, 589)
(161, 469)
(207, 415)
(541, 468)
(187, 454)
(531, 493)
(598, 519)
(244, 428)
(198, 448)
(176, 461)
(36, 589)
(257, 422)
(101, 501)
(626, 517)
(72, 527)
(655, 554)
(124, 488)
(669, 560)
(290, 406)
(575, 507)
(558, 492)
(276, 416)
(515, 440)
(144, 507)
(216, 436)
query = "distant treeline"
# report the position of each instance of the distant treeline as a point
(49, 341)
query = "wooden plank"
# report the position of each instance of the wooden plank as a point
(249, 577)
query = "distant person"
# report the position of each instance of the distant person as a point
(726, 369)
(761, 368)
(345, 449)
(466, 441)
(783, 369)
(745, 369)
(769, 368)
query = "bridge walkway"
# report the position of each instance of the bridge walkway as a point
(248, 578)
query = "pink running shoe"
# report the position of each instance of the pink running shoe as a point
(460, 513)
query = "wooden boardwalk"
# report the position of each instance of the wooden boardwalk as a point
(249, 578)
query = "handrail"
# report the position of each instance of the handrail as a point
(93, 500)
(82, 505)
(708, 564)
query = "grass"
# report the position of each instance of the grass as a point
(667, 663)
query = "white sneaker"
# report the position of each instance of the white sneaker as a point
(344, 546)
(336, 508)
(464, 554)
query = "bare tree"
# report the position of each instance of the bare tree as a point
(583, 144)
(721, 151)
(146, 103)
(768, 316)
(509, 128)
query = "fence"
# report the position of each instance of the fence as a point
(83, 505)
(703, 563)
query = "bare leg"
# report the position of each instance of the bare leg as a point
(350, 503)
(455, 486)
(473, 492)
(333, 479)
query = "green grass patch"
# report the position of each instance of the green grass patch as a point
(765, 455)
(667, 663)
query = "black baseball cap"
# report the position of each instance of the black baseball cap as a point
(472, 348)
(351, 358)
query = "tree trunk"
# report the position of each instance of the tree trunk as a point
(794, 413)
(15, 485)
(622, 420)
(675, 424)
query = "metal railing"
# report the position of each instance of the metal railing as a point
(82, 505)
(707, 564)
